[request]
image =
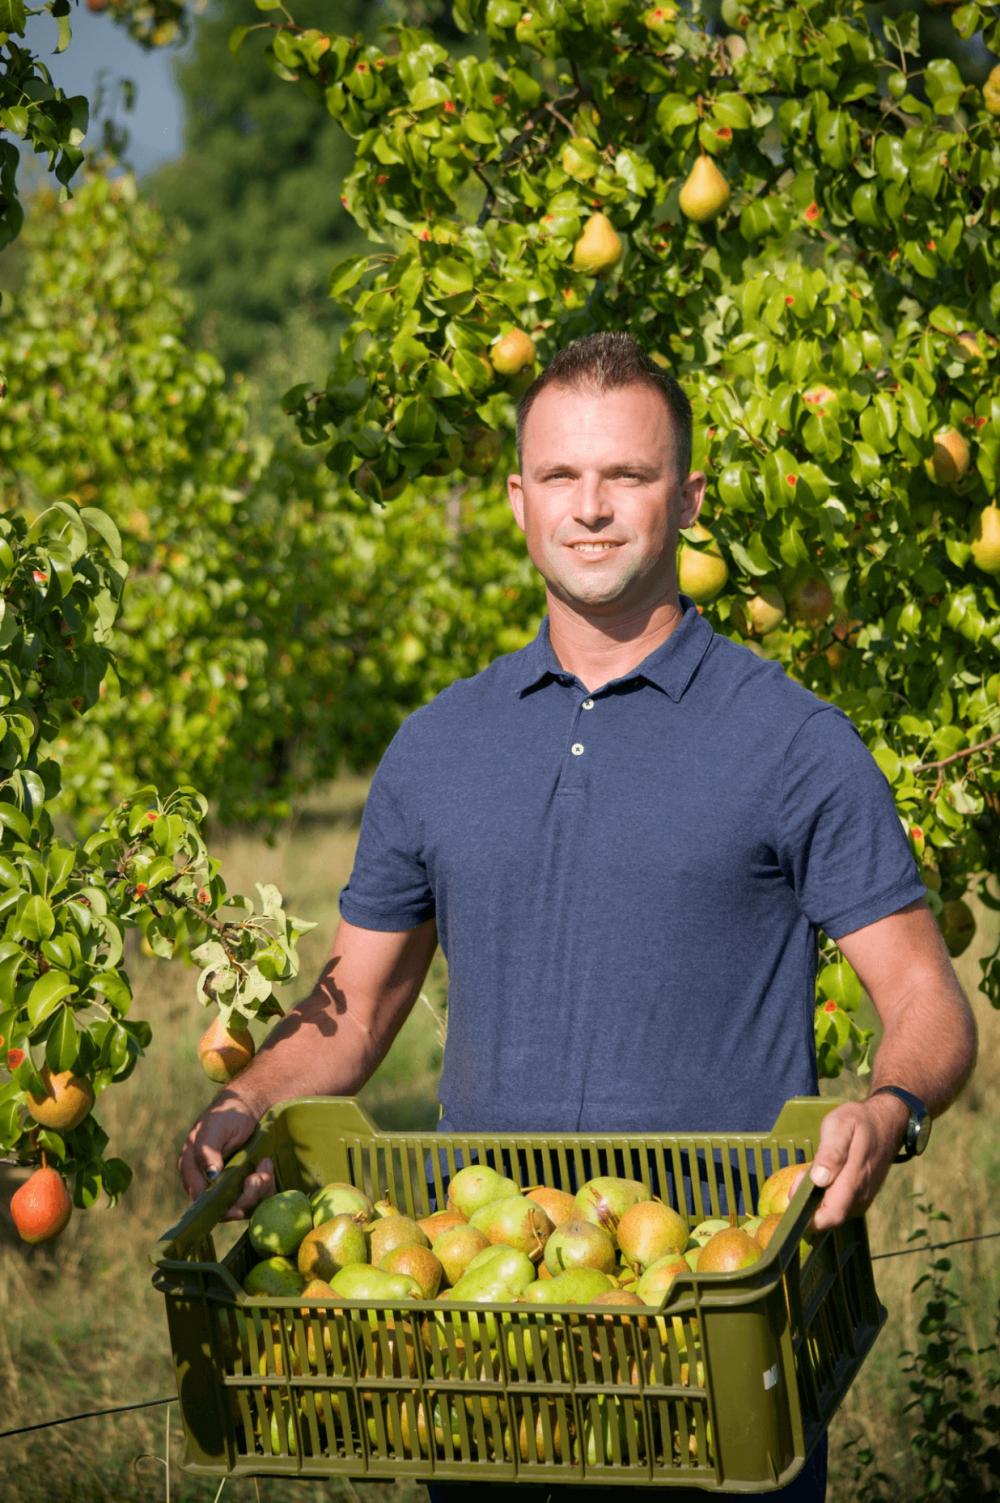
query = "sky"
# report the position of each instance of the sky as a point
(100, 49)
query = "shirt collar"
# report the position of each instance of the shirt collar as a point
(670, 667)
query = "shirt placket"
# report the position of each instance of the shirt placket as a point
(574, 774)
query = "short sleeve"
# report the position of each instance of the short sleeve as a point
(389, 888)
(840, 841)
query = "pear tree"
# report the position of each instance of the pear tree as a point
(796, 212)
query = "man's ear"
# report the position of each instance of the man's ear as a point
(692, 496)
(515, 495)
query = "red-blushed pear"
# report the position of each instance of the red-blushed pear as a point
(950, 458)
(659, 1277)
(605, 1199)
(649, 1231)
(512, 352)
(455, 1249)
(224, 1050)
(776, 1191)
(389, 1232)
(767, 1228)
(331, 1245)
(985, 542)
(599, 248)
(705, 192)
(758, 614)
(41, 1207)
(558, 1205)
(729, 1250)
(418, 1263)
(438, 1222)
(811, 598)
(701, 572)
(66, 1100)
(579, 1244)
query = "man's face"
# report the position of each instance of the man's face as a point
(599, 499)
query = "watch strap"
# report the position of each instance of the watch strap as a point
(914, 1141)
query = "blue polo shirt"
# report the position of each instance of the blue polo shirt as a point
(628, 882)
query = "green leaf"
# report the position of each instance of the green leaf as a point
(943, 83)
(114, 988)
(62, 1045)
(452, 276)
(13, 820)
(347, 274)
(428, 93)
(13, 16)
(36, 921)
(46, 994)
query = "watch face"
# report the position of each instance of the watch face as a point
(922, 1134)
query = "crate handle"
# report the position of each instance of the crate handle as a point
(204, 1214)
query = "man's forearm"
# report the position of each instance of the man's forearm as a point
(935, 1071)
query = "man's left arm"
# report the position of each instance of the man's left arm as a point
(928, 1047)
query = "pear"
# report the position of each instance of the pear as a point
(558, 1205)
(455, 1249)
(275, 1276)
(394, 1231)
(950, 459)
(648, 1231)
(340, 1199)
(776, 1191)
(760, 613)
(332, 1245)
(811, 599)
(579, 1244)
(506, 1265)
(66, 1100)
(766, 1229)
(986, 540)
(701, 572)
(418, 1263)
(361, 1281)
(707, 1229)
(280, 1222)
(475, 1186)
(438, 1222)
(705, 193)
(514, 1222)
(481, 452)
(605, 1200)
(991, 91)
(659, 1277)
(958, 925)
(224, 1050)
(598, 248)
(728, 1251)
(512, 352)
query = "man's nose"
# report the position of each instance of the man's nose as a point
(592, 501)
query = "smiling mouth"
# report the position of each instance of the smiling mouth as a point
(592, 549)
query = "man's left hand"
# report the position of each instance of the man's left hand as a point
(857, 1143)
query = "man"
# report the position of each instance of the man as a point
(626, 837)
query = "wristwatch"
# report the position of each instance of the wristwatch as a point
(918, 1128)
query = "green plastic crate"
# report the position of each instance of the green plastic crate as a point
(729, 1386)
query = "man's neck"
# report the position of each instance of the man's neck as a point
(598, 650)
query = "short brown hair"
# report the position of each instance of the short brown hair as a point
(607, 362)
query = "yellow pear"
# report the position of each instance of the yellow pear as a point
(950, 459)
(701, 572)
(761, 613)
(225, 1050)
(991, 91)
(512, 352)
(705, 193)
(986, 539)
(598, 248)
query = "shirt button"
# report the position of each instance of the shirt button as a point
(577, 748)
(588, 704)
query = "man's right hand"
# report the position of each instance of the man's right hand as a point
(217, 1134)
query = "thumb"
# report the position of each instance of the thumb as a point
(834, 1147)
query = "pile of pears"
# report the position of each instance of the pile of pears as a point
(612, 1243)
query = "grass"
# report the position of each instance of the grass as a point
(81, 1326)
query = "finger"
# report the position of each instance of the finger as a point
(255, 1187)
(846, 1195)
(835, 1139)
(200, 1163)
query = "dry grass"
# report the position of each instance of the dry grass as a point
(81, 1326)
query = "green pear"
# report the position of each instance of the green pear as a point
(508, 1265)
(361, 1281)
(707, 1229)
(991, 91)
(280, 1222)
(702, 571)
(599, 248)
(776, 1191)
(758, 614)
(512, 352)
(275, 1276)
(580, 1244)
(986, 540)
(605, 1200)
(705, 193)
(515, 1222)
(340, 1199)
(659, 1277)
(475, 1186)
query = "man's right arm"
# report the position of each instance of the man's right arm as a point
(327, 1045)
